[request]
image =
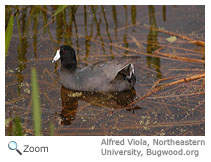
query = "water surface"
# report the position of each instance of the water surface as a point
(99, 33)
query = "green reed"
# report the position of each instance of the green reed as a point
(8, 34)
(36, 110)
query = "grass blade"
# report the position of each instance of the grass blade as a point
(51, 132)
(36, 103)
(8, 34)
(18, 129)
(60, 9)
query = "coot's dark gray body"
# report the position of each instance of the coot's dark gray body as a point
(106, 76)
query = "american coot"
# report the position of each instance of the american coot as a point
(106, 76)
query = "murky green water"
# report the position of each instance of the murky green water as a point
(99, 33)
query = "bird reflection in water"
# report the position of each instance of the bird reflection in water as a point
(114, 100)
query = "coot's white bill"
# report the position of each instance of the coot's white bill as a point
(57, 56)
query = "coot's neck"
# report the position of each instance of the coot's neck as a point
(69, 65)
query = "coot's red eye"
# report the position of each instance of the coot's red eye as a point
(63, 50)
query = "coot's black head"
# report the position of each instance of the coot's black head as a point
(67, 56)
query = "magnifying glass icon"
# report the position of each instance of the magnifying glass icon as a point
(12, 145)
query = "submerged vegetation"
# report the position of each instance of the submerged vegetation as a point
(169, 95)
